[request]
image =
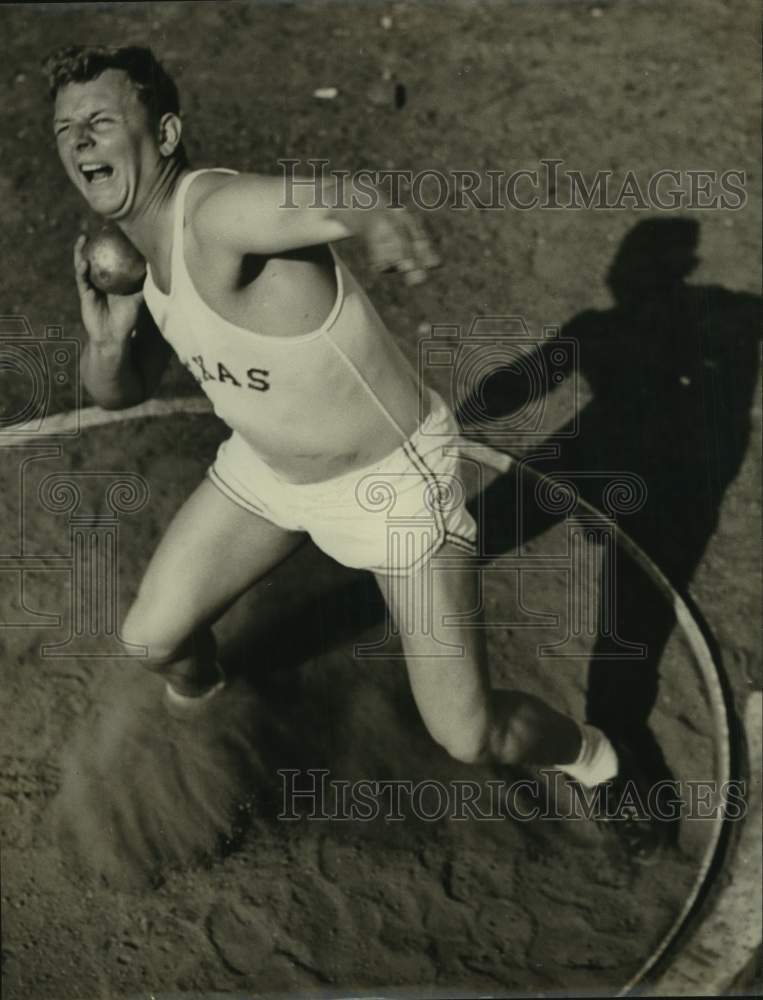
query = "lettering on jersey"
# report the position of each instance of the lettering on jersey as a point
(224, 375)
(205, 375)
(257, 378)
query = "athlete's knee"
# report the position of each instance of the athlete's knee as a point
(517, 730)
(469, 753)
(465, 746)
(507, 746)
(162, 640)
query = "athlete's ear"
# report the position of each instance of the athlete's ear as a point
(170, 130)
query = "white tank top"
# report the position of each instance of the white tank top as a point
(312, 405)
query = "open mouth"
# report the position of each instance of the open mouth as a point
(96, 173)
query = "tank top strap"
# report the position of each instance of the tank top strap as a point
(177, 262)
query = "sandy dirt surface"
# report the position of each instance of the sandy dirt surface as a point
(547, 904)
(94, 776)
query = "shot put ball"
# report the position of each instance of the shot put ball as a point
(116, 267)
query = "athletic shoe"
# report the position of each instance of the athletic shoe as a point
(184, 705)
(624, 811)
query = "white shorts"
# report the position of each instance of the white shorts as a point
(390, 517)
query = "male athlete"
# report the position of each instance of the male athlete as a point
(256, 301)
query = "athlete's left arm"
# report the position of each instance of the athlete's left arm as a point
(269, 215)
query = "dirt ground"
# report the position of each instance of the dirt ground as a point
(491, 908)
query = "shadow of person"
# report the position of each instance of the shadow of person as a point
(672, 368)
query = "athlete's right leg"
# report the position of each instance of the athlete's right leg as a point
(212, 552)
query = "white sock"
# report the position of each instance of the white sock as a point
(198, 699)
(597, 760)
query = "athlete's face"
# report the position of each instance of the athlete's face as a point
(106, 142)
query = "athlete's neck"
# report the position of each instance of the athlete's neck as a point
(150, 228)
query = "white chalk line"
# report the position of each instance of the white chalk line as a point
(68, 424)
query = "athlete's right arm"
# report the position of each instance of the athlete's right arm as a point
(125, 355)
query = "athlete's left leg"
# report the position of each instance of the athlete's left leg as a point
(471, 721)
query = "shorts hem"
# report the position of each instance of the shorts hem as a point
(232, 494)
(461, 542)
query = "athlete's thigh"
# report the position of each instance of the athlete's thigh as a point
(212, 551)
(446, 663)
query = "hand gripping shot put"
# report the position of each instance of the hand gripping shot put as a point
(258, 303)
